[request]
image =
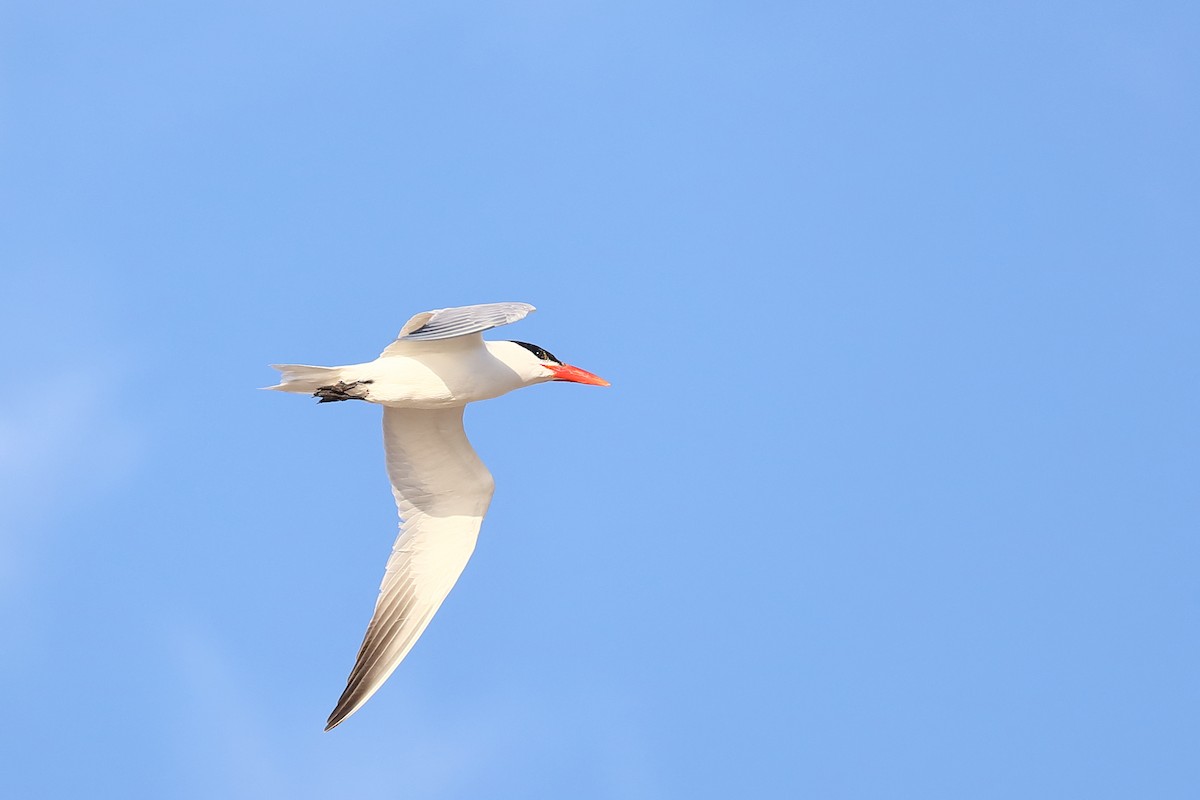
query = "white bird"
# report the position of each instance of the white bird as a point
(438, 363)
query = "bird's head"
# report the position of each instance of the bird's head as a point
(536, 365)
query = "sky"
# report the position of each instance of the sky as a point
(894, 491)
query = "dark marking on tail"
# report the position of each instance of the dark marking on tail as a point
(342, 391)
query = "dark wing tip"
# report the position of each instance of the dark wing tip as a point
(337, 717)
(346, 705)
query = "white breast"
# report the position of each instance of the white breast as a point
(443, 374)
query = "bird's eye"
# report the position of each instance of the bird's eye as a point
(538, 352)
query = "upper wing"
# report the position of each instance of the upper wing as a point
(447, 323)
(442, 492)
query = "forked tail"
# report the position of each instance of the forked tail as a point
(326, 383)
(303, 379)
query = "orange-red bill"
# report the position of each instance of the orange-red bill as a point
(565, 372)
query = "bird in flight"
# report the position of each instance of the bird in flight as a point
(438, 363)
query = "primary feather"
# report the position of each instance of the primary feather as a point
(442, 492)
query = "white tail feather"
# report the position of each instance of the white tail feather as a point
(303, 379)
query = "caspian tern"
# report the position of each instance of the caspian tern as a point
(438, 363)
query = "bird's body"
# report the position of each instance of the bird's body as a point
(424, 379)
(446, 373)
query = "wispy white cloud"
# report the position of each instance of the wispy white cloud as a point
(64, 440)
(511, 732)
(61, 443)
(235, 746)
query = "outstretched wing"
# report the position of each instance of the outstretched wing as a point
(442, 492)
(446, 323)
(451, 323)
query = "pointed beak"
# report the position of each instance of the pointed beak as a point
(563, 372)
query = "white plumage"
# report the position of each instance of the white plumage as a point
(424, 379)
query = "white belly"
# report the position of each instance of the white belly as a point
(435, 380)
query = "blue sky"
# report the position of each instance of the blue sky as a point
(894, 492)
